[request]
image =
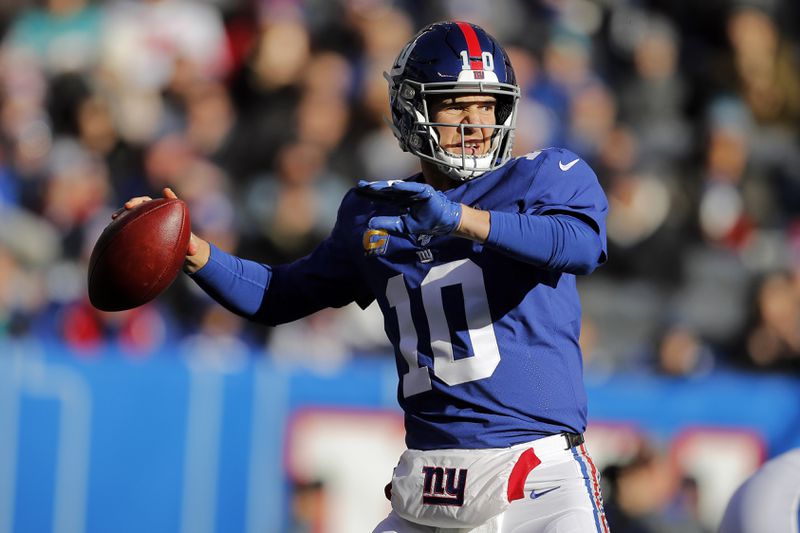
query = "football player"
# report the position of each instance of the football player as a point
(769, 500)
(473, 262)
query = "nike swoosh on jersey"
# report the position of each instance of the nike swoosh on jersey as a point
(541, 493)
(568, 166)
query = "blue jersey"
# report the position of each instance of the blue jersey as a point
(486, 344)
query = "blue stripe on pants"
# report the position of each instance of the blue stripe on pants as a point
(587, 478)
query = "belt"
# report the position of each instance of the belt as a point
(573, 439)
(555, 444)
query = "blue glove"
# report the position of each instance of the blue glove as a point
(429, 210)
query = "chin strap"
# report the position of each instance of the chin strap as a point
(459, 174)
(454, 166)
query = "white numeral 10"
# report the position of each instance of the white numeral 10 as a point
(482, 363)
(486, 57)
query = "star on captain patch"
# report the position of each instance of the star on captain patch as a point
(375, 242)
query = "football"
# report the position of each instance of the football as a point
(139, 254)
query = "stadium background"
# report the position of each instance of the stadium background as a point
(179, 417)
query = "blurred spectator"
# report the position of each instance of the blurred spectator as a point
(322, 119)
(725, 216)
(307, 508)
(88, 332)
(22, 294)
(772, 340)
(97, 133)
(641, 495)
(265, 92)
(592, 115)
(220, 341)
(275, 64)
(653, 100)
(767, 81)
(143, 40)
(291, 211)
(640, 206)
(680, 352)
(767, 71)
(566, 69)
(76, 189)
(58, 36)
(210, 118)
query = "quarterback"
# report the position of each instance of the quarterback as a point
(473, 262)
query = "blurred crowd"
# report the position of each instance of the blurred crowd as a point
(262, 113)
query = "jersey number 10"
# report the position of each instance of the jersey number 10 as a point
(481, 364)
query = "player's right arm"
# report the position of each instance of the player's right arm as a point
(275, 294)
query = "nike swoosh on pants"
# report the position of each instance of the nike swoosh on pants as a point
(541, 493)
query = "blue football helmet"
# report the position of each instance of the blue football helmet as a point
(452, 59)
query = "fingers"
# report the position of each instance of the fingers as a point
(197, 254)
(380, 184)
(394, 190)
(133, 202)
(130, 204)
(378, 190)
(411, 187)
(137, 200)
(394, 185)
(390, 224)
(193, 245)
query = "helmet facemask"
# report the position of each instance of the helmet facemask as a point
(418, 134)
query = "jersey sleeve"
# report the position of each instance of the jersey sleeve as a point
(563, 183)
(560, 225)
(235, 283)
(327, 277)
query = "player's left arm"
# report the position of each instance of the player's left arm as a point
(558, 242)
(562, 225)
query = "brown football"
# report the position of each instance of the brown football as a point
(139, 254)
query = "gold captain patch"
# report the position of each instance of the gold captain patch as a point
(375, 241)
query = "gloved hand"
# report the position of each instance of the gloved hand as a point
(429, 210)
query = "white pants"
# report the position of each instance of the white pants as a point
(562, 495)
